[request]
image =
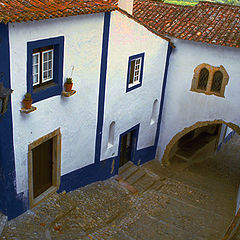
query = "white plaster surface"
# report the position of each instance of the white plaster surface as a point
(182, 107)
(77, 115)
(128, 38)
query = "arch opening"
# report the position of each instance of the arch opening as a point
(200, 136)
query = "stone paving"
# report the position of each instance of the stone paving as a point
(185, 202)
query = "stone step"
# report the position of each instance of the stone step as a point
(136, 176)
(205, 183)
(210, 201)
(128, 172)
(125, 167)
(144, 183)
(3, 222)
(204, 224)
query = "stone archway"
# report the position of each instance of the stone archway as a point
(175, 139)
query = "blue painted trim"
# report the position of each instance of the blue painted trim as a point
(229, 136)
(86, 175)
(11, 204)
(169, 51)
(129, 69)
(219, 147)
(102, 86)
(56, 88)
(103, 170)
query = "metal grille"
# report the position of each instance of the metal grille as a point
(203, 79)
(217, 81)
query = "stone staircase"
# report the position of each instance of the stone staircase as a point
(202, 204)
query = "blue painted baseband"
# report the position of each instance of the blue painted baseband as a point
(11, 203)
(100, 171)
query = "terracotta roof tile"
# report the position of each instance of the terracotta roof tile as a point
(208, 22)
(28, 10)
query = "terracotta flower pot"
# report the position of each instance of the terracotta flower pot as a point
(68, 87)
(27, 103)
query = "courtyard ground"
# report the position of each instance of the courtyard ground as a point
(183, 202)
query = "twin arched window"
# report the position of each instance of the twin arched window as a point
(210, 80)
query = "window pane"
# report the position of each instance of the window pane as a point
(35, 59)
(45, 57)
(49, 55)
(35, 79)
(132, 71)
(45, 66)
(49, 75)
(35, 69)
(44, 75)
(217, 81)
(203, 79)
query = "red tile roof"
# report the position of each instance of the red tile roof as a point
(205, 22)
(27, 10)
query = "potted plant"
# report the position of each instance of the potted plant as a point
(68, 84)
(27, 101)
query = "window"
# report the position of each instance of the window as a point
(217, 81)
(42, 66)
(210, 80)
(135, 71)
(203, 79)
(45, 68)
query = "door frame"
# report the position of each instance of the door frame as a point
(135, 131)
(56, 173)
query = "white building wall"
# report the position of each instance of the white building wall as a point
(129, 38)
(77, 115)
(182, 107)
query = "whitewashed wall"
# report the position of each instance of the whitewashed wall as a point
(77, 115)
(182, 107)
(128, 38)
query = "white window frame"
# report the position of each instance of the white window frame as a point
(48, 79)
(135, 74)
(36, 54)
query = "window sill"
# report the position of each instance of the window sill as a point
(68, 94)
(27, 111)
(134, 85)
(207, 93)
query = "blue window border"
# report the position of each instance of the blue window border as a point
(129, 68)
(55, 88)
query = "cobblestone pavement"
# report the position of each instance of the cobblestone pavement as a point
(188, 201)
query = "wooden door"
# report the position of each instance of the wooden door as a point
(126, 148)
(42, 167)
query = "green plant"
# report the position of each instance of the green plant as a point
(69, 80)
(28, 96)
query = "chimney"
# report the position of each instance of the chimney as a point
(126, 5)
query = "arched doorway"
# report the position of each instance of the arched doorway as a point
(189, 132)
